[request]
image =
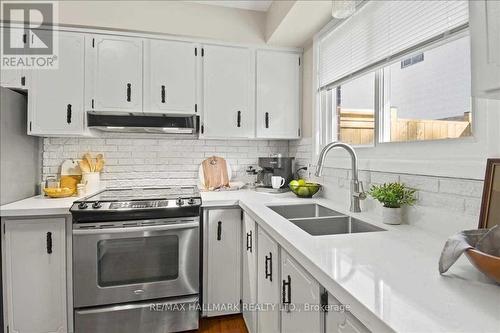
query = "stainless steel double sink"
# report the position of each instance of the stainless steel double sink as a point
(318, 220)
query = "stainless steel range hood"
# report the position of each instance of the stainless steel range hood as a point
(158, 124)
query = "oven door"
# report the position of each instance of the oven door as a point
(114, 263)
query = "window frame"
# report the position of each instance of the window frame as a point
(463, 157)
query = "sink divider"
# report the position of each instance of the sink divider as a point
(318, 218)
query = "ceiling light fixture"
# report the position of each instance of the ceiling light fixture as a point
(342, 9)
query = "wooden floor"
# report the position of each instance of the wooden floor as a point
(223, 324)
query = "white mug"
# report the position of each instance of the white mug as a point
(277, 181)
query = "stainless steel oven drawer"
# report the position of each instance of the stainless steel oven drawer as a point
(156, 316)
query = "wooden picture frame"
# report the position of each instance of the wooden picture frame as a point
(490, 204)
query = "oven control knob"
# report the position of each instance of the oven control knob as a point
(82, 205)
(96, 205)
(191, 201)
(179, 202)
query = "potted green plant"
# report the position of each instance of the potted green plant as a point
(393, 196)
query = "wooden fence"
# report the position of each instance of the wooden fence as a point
(358, 127)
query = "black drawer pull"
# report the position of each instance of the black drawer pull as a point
(287, 293)
(219, 230)
(238, 122)
(129, 92)
(249, 241)
(163, 94)
(269, 267)
(49, 242)
(68, 114)
(267, 119)
(23, 80)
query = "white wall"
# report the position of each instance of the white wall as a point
(436, 88)
(167, 17)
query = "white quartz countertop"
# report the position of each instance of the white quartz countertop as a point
(37, 205)
(390, 279)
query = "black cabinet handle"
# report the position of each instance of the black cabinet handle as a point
(267, 119)
(129, 92)
(238, 122)
(287, 293)
(269, 267)
(49, 242)
(23, 80)
(219, 230)
(249, 241)
(163, 94)
(68, 114)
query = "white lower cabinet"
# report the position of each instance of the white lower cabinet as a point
(341, 321)
(35, 275)
(249, 271)
(268, 283)
(223, 270)
(298, 290)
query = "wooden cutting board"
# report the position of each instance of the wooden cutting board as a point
(215, 173)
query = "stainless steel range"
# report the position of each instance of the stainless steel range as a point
(136, 260)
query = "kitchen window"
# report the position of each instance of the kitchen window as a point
(395, 71)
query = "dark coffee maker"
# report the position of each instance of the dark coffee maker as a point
(274, 166)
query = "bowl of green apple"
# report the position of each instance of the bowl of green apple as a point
(303, 188)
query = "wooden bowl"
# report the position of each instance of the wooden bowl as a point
(61, 192)
(486, 263)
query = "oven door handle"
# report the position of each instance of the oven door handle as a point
(118, 230)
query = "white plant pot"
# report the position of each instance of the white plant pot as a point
(392, 215)
(92, 182)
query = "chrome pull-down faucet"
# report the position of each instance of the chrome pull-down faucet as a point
(356, 193)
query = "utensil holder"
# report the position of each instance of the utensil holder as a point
(92, 182)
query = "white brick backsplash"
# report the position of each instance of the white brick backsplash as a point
(422, 183)
(383, 177)
(452, 203)
(472, 188)
(159, 161)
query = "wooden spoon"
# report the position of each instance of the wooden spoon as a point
(88, 157)
(99, 163)
(84, 166)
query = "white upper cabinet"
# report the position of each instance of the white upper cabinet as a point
(170, 69)
(35, 275)
(56, 102)
(298, 288)
(278, 94)
(485, 50)
(114, 70)
(14, 78)
(228, 89)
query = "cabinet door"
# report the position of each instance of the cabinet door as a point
(268, 283)
(35, 275)
(15, 77)
(227, 92)
(340, 321)
(298, 288)
(56, 98)
(170, 81)
(224, 260)
(115, 73)
(485, 48)
(249, 277)
(278, 94)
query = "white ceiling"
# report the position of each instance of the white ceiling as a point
(260, 5)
